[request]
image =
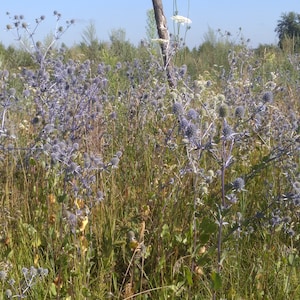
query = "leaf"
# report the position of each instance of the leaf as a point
(11, 254)
(203, 238)
(86, 292)
(165, 231)
(188, 276)
(32, 161)
(62, 198)
(36, 241)
(53, 289)
(291, 259)
(216, 281)
(208, 226)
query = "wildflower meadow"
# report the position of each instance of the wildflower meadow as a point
(115, 185)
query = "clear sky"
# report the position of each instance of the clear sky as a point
(257, 18)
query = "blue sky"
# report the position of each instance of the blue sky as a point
(257, 18)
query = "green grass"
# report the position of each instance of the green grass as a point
(173, 215)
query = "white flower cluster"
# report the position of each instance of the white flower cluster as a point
(181, 20)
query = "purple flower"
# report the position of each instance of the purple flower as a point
(192, 114)
(267, 97)
(191, 131)
(177, 109)
(238, 184)
(227, 132)
(239, 112)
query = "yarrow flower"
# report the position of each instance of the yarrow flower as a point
(181, 20)
(161, 41)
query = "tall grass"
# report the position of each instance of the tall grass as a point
(114, 186)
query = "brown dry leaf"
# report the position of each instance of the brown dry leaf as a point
(51, 198)
(79, 203)
(128, 290)
(82, 223)
(83, 243)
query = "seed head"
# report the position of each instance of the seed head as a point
(8, 294)
(3, 275)
(223, 111)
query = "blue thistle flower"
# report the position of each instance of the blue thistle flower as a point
(114, 162)
(239, 112)
(267, 97)
(177, 109)
(227, 132)
(183, 70)
(183, 124)
(26, 93)
(238, 184)
(290, 232)
(191, 131)
(192, 114)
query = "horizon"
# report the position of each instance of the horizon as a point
(256, 20)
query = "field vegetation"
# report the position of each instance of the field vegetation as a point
(115, 186)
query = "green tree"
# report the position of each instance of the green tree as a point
(121, 47)
(89, 35)
(90, 42)
(288, 30)
(151, 31)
